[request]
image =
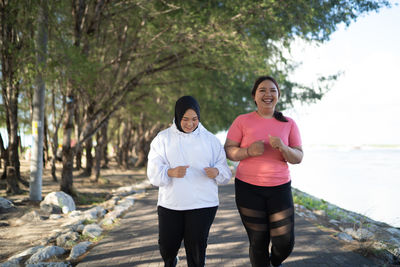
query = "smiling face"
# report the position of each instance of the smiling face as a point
(189, 121)
(266, 95)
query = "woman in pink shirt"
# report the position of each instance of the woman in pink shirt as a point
(264, 141)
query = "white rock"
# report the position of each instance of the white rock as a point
(320, 212)
(75, 213)
(349, 219)
(117, 212)
(73, 222)
(107, 221)
(60, 199)
(45, 253)
(65, 240)
(395, 240)
(310, 215)
(94, 213)
(5, 204)
(92, 230)
(143, 185)
(80, 228)
(79, 249)
(55, 216)
(15, 260)
(29, 251)
(397, 252)
(32, 216)
(345, 237)
(364, 234)
(394, 231)
(110, 204)
(11, 263)
(361, 234)
(335, 222)
(127, 202)
(49, 264)
(124, 191)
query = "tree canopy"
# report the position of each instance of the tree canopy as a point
(129, 60)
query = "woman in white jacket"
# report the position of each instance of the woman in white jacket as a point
(186, 162)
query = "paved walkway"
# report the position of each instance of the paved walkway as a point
(134, 242)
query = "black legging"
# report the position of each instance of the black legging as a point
(192, 226)
(267, 213)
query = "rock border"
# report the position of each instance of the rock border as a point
(378, 238)
(67, 240)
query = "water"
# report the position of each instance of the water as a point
(365, 180)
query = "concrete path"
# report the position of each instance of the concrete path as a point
(134, 242)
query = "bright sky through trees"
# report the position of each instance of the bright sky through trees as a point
(363, 106)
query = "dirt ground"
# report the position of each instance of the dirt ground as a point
(15, 236)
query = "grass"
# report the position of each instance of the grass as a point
(87, 221)
(312, 203)
(90, 198)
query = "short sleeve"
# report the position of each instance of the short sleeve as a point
(294, 135)
(235, 132)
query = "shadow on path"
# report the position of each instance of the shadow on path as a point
(135, 241)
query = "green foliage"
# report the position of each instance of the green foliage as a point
(134, 59)
(310, 203)
(223, 46)
(89, 199)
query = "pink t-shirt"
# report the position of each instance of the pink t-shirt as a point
(269, 169)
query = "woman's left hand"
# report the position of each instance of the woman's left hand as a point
(211, 172)
(276, 142)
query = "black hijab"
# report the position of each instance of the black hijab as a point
(182, 105)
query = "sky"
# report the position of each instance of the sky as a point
(363, 105)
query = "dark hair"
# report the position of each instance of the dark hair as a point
(182, 105)
(277, 115)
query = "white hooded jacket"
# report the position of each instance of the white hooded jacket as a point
(199, 149)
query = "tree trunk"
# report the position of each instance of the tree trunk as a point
(67, 151)
(56, 126)
(53, 163)
(143, 145)
(13, 155)
(141, 156)
(78, 157)
(105, 145)
(78, 148)
(120, 145)
(125, 138)
(9, 49)
(98, 157)
(38, 122)
(46, 156)
(3, 155)
(12, 184)
(89, 157)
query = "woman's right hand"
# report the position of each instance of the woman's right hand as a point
(256, 149)
(177, 172)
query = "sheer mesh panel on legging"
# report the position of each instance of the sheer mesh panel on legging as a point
(254, 219)
(281, 223)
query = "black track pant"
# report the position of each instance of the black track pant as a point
(191, 226)
(267, 213)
